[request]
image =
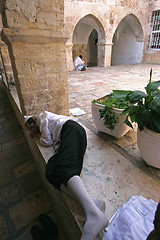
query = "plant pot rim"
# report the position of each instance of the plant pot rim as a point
(102, 105)
(149, 130)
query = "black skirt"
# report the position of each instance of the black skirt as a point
(68, 161)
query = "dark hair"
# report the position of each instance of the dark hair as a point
(30, 121)
(80, 56)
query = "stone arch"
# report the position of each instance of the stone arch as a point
(88, 31)
(128, 42)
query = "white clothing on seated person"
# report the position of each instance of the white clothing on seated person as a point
(78, 63)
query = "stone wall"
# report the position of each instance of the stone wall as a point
(33, 14)
(34, 34)
(6, 65)
(42, 35)
(105, 16)
(151, 56)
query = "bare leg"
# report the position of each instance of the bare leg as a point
(96, 220)
(99, 203)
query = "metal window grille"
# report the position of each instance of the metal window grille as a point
(154, 42)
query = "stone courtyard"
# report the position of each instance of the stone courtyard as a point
(113, 169)
(97, 82)
(39, 41)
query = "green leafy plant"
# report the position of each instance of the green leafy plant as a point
(111, 102)
(145, 110)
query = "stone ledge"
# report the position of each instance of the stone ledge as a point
(107, 175)
(61, 202)
(34, 35)
(68, 211)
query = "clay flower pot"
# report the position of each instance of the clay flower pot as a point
(149, 146)
(120, 128)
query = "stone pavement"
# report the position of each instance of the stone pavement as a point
(113, 169)
(22, 194)
(97, 82)
(23, 197)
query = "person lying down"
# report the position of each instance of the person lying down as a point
(63, 169)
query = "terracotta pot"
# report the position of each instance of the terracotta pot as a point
(120, 129)
(149, 146)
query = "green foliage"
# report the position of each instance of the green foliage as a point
(109, 118)
(146, 109)
(110, 102)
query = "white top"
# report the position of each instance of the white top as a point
(78, 63)
(50, 126)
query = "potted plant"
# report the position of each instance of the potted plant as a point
(145, 111)
(106, 114)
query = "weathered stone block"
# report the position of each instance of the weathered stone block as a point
(6, 177)
(14, 19)
(47, 19)
(33, 51)
(48, 5)
(23, 212)
(9, 194)
(45, 82)
(27, 8)
(3, 229)
(23, 67)
(24, 169)
(28, 98)
(44, 67)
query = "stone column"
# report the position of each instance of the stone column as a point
(104, 54)
(3, 48)
(69, 56)
(39, 67)
(7, 74)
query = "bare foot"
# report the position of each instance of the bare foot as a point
(95, 223)
(100, 204)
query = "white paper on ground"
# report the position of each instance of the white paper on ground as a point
(76, 111)
(132, 221)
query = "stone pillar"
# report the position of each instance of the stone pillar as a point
(7, 74)
(39, 67)
(104, 54)
(3, 48)
(69, 56)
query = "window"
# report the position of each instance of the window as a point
(154, 42)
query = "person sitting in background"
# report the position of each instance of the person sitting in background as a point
(78, 63)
